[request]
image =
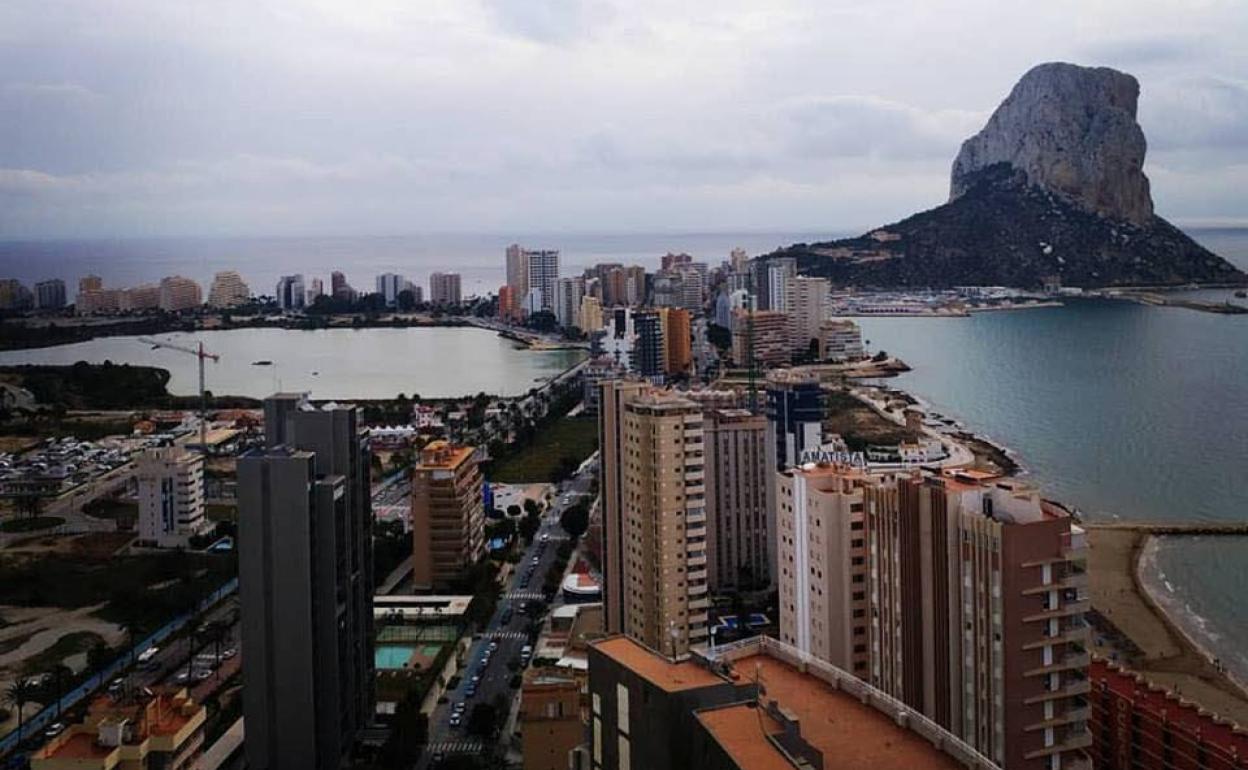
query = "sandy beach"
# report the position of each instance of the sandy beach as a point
(1147, 640)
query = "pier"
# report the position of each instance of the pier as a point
(1173, 528)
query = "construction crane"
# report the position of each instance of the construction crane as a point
(201, 354)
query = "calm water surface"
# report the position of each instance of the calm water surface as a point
(332, 363)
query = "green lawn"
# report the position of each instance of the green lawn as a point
(31, 525)
(571, 437)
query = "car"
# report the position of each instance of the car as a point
(438, 756)
(545, 537)
(476, 679)
(117, 684)
(148, 654)
(228, 653)
(203, 675)
(493, 646)
(455, 720)
(470, 690)
(54, 729)
(460, 707)
(183, 677)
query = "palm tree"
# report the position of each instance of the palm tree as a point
(61, 675)
(18, 695)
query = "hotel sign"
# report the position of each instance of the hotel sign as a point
(833, 457)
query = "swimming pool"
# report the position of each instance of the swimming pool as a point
(391, 656)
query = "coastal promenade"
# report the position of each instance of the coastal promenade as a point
(1132, 628)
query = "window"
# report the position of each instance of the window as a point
(621, 708)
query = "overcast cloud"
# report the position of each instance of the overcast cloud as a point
(132, 118)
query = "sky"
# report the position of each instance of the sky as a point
(136, 118)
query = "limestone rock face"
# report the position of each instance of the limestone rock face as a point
(1071, 131)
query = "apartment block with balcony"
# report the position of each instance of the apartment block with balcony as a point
(742, 531)
(162, 731)
(977, 594)
(171, 496)
(822, 564)
(663, 522)
(448, 514)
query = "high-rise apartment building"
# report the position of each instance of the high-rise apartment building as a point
(649, 356)
(840, 340)
(448, 514)
(822, 557)
(543, 271)
(145, 296)
(444, 289)
(389, 285)
(677, 342)
(762, 336)
(757, 705)
(178, 294)
(977, 593)
(14, 295)
(960, 596)
(316, 288)
(589, 317)
(228, 290)
(795, 410)
(306, 586)
(290, 292)
(518, 272)
(739, 260)
(50, 294)
(568, 294)
(613, 394)
(171, 496)
(338, 286)
(809, 303)
(90, 283)
(661, 517)
(508, 305)
(772, 281)
(740, 531)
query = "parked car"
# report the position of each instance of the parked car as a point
(54, 729)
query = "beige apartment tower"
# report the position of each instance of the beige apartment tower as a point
(612, 395)
(822, 564)
(741, 533)
(448, 514)
(664, 522)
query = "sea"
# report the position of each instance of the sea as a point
(1122, 410)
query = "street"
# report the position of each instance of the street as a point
(509, 636)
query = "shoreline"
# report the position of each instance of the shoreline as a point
(1145, 568)
(1132, 625)
(1132, 629)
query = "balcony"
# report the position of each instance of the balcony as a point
(698, 561)
(1075, 689)
(699, 604)
(1071, 740)
(1063, 611)
(696, 518)
(697, 589)
(1075, 581)
(1070, 635)
(1072, 716)
(1070, 662)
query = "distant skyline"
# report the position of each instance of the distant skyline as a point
(134, 118)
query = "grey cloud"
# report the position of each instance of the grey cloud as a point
(551, 21)
(1196, 114)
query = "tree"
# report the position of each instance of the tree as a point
(406, 300)
(531, 507)
(61, 676)
(18, 695)
(528, 528)
(513, 511)
(575, 520)
(483, 720)
(880, 357)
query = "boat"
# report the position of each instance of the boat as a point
(262, 363)
(1241, 294)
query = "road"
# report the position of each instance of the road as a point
(509, 636)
